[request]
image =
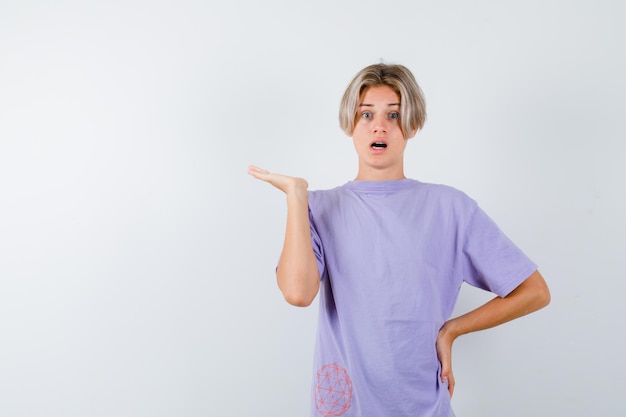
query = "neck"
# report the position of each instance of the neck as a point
(379, 175)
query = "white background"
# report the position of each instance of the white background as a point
(137, 257)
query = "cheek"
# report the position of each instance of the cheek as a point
(358, 126)
(359, 134)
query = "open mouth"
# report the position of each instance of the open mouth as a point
(379, 145)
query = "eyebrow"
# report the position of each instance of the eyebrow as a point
(371, 105)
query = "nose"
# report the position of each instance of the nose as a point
(380, 124)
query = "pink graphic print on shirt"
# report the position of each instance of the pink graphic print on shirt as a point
(333, 392)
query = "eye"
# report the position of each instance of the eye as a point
(366, 115)
(394, 115)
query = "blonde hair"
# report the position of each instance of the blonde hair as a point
(400, 79)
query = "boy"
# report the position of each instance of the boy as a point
(388, 256)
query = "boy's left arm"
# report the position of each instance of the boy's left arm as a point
(531, 295)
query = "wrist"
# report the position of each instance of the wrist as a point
(450, 330)
(298, 188)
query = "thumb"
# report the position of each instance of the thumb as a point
(447, 377)
(445, 371)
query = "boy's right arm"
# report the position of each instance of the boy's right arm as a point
(297, 273)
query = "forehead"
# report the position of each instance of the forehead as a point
(379, 94)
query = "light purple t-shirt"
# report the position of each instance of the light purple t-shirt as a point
(392, 256)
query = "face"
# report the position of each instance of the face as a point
(377, 136)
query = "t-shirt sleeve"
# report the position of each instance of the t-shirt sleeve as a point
(318, 249)
(491, 260)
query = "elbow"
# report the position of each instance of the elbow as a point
(298, 300)
(541, 293)
(300, 296)
(544, 297)
(535, 293)
(298, 289)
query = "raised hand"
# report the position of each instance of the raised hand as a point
(284, 183)
(297, 272)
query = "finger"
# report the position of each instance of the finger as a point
(257, 172)
(446, 369)
(256, 169)
(451, 385)
(444, 377)
(448, 378)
